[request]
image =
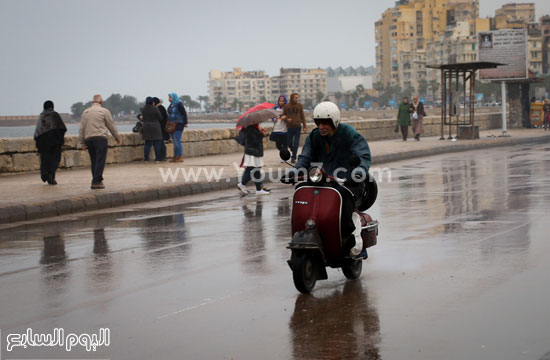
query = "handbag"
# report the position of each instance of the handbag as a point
(272, 137)
(415, 116)
(396, 128)
(240, 138)
(137, 127)
(170, 127)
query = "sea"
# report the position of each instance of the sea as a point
(72, 129)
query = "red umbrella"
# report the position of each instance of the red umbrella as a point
(258, 114)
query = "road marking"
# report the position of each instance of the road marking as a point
(204, 303)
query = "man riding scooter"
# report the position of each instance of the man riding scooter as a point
(335, 144)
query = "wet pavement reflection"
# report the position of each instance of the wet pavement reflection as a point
(459, 272)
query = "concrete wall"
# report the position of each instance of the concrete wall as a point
(20, 155)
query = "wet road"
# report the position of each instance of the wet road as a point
(460, 272)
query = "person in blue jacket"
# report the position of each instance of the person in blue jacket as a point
(178, 115)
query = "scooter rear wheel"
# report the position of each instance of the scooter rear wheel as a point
(303, 272)
(352, 269)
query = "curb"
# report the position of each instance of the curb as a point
(38, 210)
(456, 148)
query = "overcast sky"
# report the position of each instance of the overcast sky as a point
(69, 50)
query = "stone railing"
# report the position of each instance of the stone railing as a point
(20, 154)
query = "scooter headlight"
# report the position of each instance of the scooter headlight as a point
(310, 224)
(315, 175)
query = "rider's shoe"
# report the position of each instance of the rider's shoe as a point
(362, 256)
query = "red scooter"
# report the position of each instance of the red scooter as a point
(317, 240)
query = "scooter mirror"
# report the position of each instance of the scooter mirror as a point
(354, 161)
(284, 154)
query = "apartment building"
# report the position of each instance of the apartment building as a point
(419, 32)
(534, 48)
(545, 39)
(252, 87)
(523, 13)
(245, 86)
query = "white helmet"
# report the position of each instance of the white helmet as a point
(327, 110)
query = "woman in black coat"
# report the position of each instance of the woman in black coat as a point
(49, 136)
(151, 132)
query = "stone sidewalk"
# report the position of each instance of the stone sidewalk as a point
(25, 197)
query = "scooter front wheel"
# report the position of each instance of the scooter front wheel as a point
(303, 272)
(352, 269)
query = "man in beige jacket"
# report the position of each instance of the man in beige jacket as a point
(95, 124)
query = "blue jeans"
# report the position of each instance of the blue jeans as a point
(157, 144)
(294, 140)
(256, 177)
(176, 139)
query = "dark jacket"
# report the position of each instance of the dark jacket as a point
(419, 109)
(403, 115)
(253, 141)
(50, 131)
(164, 115)
(546, 109)
(335, 151)
(151, 123)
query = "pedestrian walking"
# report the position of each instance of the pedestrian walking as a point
(49, 136)
(95, 124)
(253, 159)
(293, 113)
(546, 114)
(151, 131)
(416, 109)
(404, 117)
(165, 135)
(280, 129)
(178, 116)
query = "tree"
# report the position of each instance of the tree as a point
(203, 99)
(408, 92)
(338, 96)
(319, 96)
(236, 104)
(263, 99)
(218, 102)
(129, 104)
(422, 87)
(77, 109)
(186, 99)
(114, 104)
(378, 86)
(434, 87)
(308, 104)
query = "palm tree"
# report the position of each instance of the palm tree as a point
(434, 87)
(201, 99)
(422, 87)
(319, 96)
(378, 86)
(338, 96)
(218, 102)
(359, 90)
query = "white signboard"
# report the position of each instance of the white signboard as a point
(506, 47)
